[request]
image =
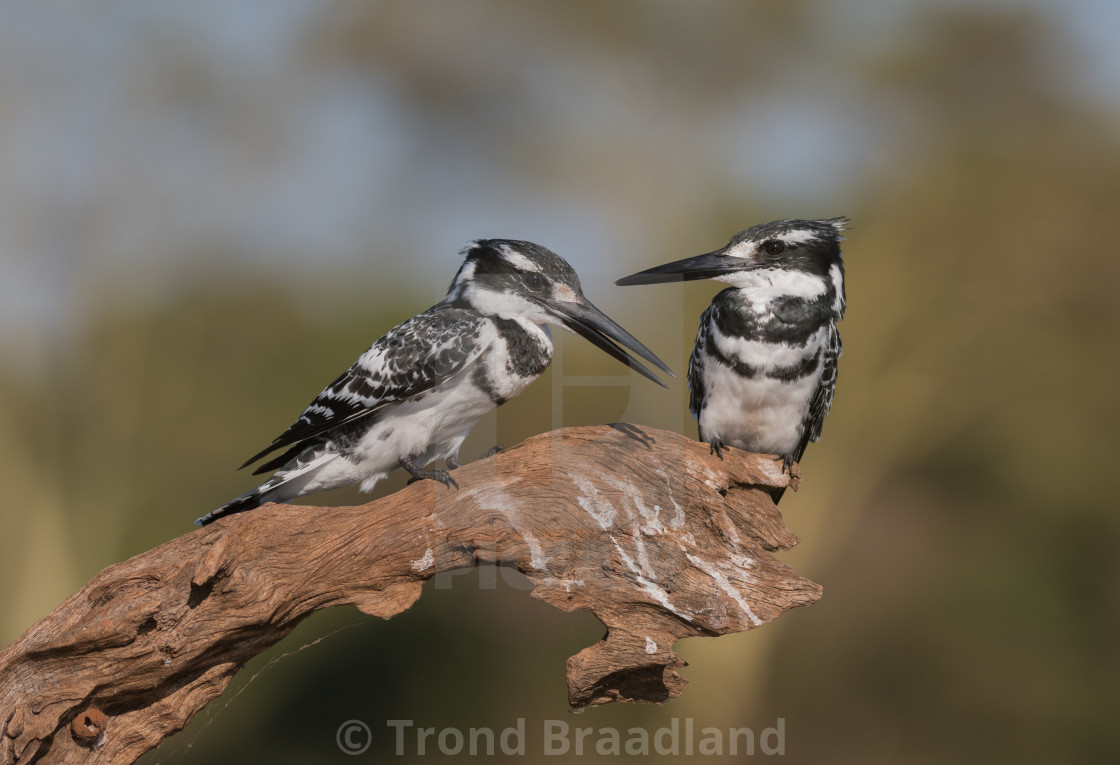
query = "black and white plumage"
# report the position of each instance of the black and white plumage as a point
(415, 394)
(763, 370)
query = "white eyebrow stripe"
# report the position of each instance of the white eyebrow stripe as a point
(517, 260)
(797, 236)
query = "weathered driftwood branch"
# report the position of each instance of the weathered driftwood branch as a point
(659, 539)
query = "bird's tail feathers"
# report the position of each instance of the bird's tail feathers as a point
(246, 501)
(284, 486)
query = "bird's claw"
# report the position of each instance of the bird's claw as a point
(417, 474)
(435, 475)
(444, 477)
(787, 464)
(717, 447)
(495, 449)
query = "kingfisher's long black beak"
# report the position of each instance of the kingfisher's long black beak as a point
(707, 266)
(600, 330)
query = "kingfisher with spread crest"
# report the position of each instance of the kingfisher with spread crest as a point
(763, 370)
(415, 394)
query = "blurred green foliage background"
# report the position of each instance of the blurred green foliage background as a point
(208, 210)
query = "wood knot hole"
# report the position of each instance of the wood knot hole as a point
(89, 725)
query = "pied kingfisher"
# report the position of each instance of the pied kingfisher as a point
(415, 394)
(763, 370)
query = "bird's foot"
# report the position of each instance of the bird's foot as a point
(495, 449)
(453, 462)
(717, 446)
(418, 474)
(787, 463)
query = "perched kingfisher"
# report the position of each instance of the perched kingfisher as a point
(415, 394)
(763, 370)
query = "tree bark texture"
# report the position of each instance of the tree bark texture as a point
(645, 528)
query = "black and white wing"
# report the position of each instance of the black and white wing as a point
(696, 392)
(822, 398)
(410, 359)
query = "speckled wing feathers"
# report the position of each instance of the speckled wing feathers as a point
(411, 358)
(822, 399)
(696, 369)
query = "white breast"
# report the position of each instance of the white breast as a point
(759, 413)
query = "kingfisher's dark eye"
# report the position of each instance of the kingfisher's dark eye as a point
(535, 281)
(773, 246)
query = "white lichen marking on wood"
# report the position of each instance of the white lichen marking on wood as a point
(651, 647)
(424, 563)
(712, 479)
(744, 562)
(652, 588)
(607, 516)
(648, 519)
(677, 521)
(536, 552)
(724, 585)
(567, 584)
(640, 550)
(593, 504)
(652, 517)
